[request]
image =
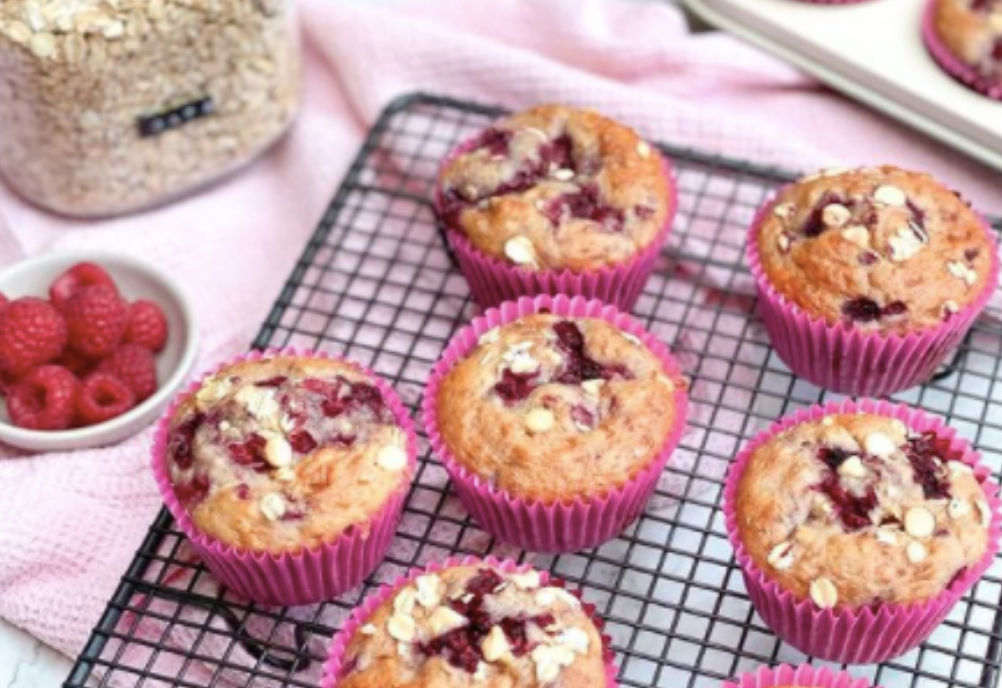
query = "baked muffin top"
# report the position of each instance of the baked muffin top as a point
(476, 625)
(857, 509)
(557, 188)
(881, 249)
(549, 408)
(285, 452)
(972, 31)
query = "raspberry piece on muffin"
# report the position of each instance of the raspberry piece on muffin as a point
(859, 509)
(475, 623)
(553, 408)
(878, 249)
(557, 188)
(285, 453)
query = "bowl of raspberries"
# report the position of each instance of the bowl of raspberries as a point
(92, 347)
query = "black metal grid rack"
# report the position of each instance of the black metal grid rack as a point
(376, 283)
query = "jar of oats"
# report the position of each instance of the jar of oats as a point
(110, 106)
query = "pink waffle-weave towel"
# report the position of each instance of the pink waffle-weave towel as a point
(70, 522)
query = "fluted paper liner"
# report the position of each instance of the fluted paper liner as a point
(862, 635)
(804, 676)
(565, 526)
(309, 575)
(334, 666)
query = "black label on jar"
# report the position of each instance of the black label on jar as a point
(154, 125)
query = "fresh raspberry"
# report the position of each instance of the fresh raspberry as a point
(3, 300)
(45, 399)
(96, 317)
(8, 381)
(147, 326)
(76, 363)
(32, 333)
(81, 275)
(102, 397)
(133, 365)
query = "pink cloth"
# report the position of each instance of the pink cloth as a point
(70, 523)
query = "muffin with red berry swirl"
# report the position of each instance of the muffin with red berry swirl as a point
(868, 278)
(554, 418)
(297, 456)
(471, 622)
(965, 38)
(556, 200)
(867, 514)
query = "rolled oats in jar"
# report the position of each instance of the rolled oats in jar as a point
(109, 106)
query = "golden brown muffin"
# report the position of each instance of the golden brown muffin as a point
(556, 188)
(972, 31)
(879, 248)
(857, 509)
(476, 625)
(550, 408)
(285, 452)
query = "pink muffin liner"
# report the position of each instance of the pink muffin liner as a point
(804, 676)
(564, 526)
(845, 359)
(950, 63)
(334, 666)
(310, 575)
(856, 635)
(493, 281)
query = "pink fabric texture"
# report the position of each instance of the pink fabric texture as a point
(70, 522)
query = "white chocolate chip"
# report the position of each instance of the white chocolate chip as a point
(548, 596)
(961, 271)
(403, 603)
(523, 363)
(916, 552)
(667, 382)
(490, 336)
(285, 475)
(919, 522)
(272, 506)
(783, 242)
(593, 387)
(430, 590)
(879, 444)
(495, 646)
(904, 245)
(529, 580)
(781, 556)
(549, 660)
(277, 451)
(985, 511)
(958, 508)
(402, 627)
(576, 639)
(824, 593)
(783, 210)
(857, 235)
(835, 215)
(367, 629)
(890, 195)
(563, 175)
(852, 468)
(260, 403)
(887, 536)
(959, 468)
(480, 675)
(445, 620)
(643, 150)
(632, 339)
(828, 421)
(949, 307)
(520, 251)
(391, 458)
(539, 420)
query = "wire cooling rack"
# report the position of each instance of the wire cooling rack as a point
(376, 282)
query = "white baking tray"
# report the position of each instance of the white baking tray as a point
(873, 52)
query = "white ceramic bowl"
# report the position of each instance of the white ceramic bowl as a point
(135, 280)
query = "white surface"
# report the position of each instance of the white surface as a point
(873, 51)
(136, 280)
(27, 663)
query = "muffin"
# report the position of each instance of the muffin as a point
(550, 404)
(556, 200)
(860, 512)
(297, 456)
(965, 38)
(468, 623)
(869, 277)
(803, 676)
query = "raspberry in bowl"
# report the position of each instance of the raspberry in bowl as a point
(79, 367)
(470, 622)
(869, 278)
(287, 471)
(556, 200)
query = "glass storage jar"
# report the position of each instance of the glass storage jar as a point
(110, 106)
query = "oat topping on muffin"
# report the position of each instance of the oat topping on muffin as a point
(556, 188)
(285, 452)
(972, 31)
(856, 509)
(877, 248)
(477, 625)
(548, 407)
